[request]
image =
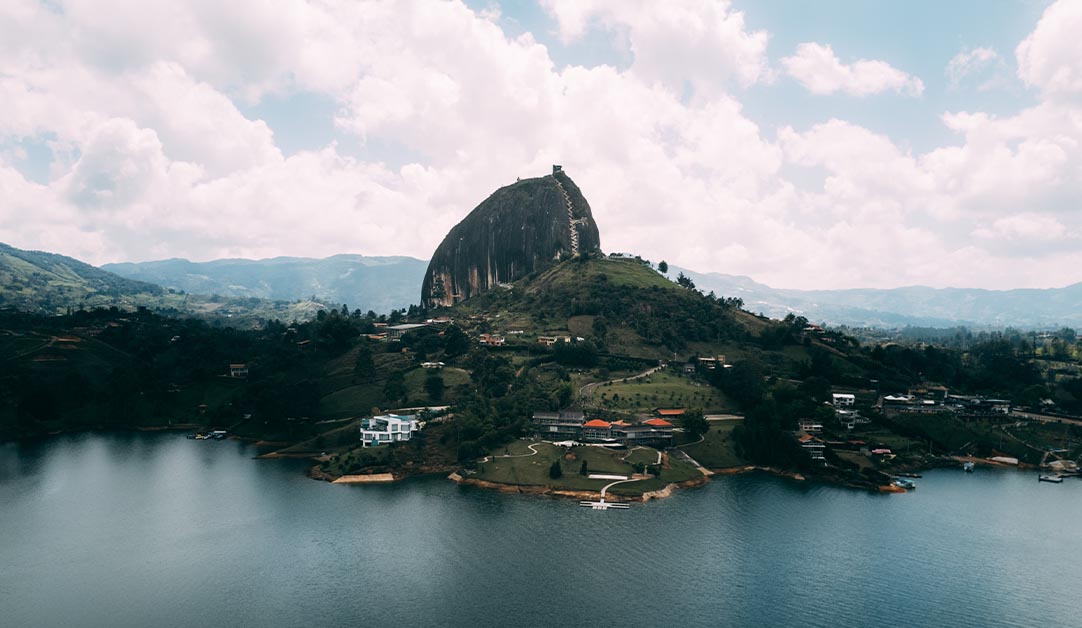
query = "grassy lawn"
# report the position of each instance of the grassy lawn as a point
(663, 389)
(717, 450)
(645, 455)
(534, 470)
(873, 434)
(452, 379)
(851, 456)
(352, 401)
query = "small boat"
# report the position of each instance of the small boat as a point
(968, 466)
(904, 483)
(1055, 479)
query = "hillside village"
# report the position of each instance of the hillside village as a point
(545, 375)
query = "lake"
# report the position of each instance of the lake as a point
(129, 529)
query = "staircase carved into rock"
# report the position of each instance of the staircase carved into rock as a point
(572, 224)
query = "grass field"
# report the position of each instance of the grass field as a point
(534, 470)
(717, 450)
(663, 389)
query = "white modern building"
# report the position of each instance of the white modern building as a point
(388, 428)
(843, 399)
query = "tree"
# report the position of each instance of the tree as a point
(584, 469)
(456, 342)
(434, 386)
(555, 471)
(663, 267)
(685, 281)
(365, 367)
(695, 423)
(395, 388)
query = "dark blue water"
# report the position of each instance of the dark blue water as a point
(155, 530)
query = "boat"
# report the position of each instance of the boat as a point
(968, 466)
(1055, 479)
(904, 483)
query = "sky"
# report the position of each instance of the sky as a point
(826, 144)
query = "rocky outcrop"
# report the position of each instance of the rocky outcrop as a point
(521, 228)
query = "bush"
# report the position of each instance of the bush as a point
(556, 471)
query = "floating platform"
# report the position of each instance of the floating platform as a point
(604, 505)
(1054, 479)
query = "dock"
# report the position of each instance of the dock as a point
(604, 505)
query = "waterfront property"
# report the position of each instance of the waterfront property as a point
(386, 429)
(814, 446)
(573, 426)
(566, 425)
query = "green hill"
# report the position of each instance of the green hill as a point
(48, 283)
(623, 306)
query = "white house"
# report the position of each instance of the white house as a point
(843, 399)
(388, 428)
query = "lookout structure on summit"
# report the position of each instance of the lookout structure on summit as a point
(520, 228)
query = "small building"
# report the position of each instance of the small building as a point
(843, 399)
(933, 392)
(492, 340)
(440, 320)
(432, 365)
(397, 331)
(386, 429)
(671, 413)
(551, 340)
(689, 368)
(815, 447)
(238, 370)
(809, 426)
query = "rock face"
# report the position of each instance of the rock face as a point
(521, 228)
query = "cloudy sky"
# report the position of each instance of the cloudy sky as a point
(821, 144)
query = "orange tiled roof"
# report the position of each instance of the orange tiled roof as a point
(658, 423)
(670, 411)
(596, 423)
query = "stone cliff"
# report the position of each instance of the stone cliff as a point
(522, 227)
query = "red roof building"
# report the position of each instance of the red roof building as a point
(597, 423)
(658, 422)
(669, 412)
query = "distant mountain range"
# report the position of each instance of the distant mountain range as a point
(918, 306)
(39, 281)
(367, 283)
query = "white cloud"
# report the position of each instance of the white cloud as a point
(817, 68)
(154, 157)
(703, 43)
(982, 64)
(1048, 58)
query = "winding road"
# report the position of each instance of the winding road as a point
(530, 447)
(588, 389)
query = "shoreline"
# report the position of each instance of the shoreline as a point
(550, 491)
